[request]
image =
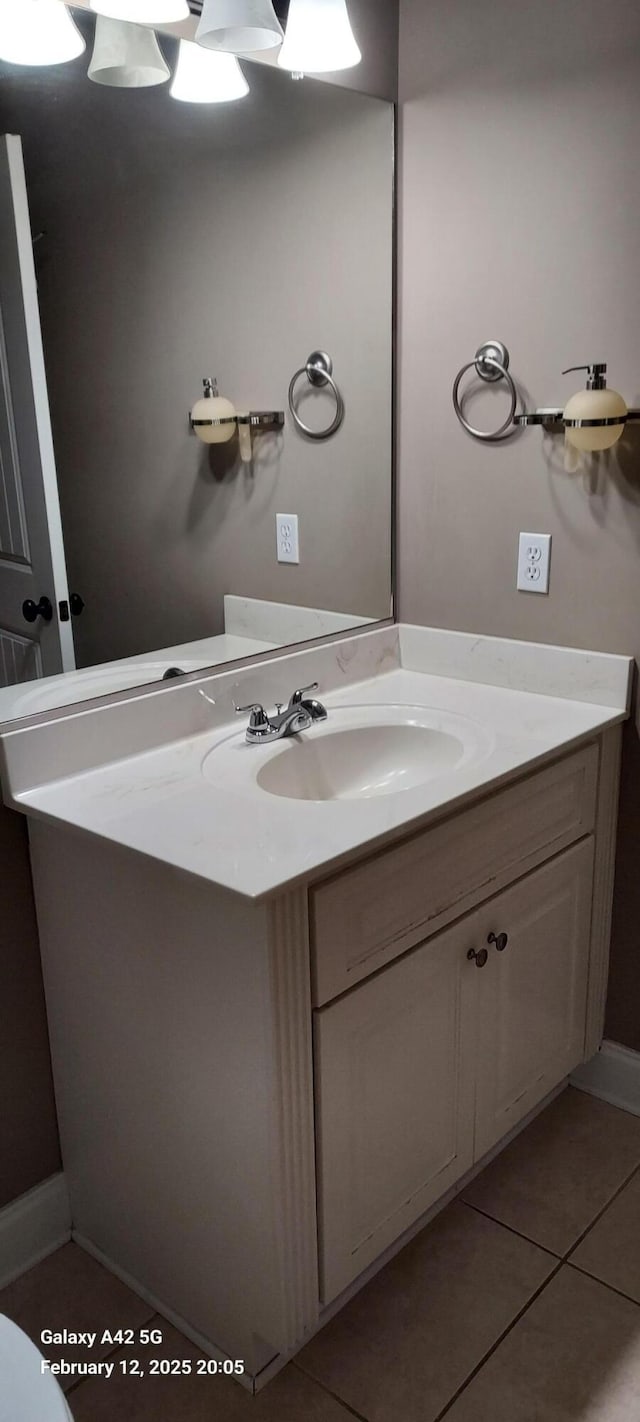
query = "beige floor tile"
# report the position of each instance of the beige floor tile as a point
(611, 1250)
(71, 1290)
(573, 1357)
(552, 1181)
(403, 1346)
(291, 1397)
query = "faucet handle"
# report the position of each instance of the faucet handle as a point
(302, 692)
(258, 717)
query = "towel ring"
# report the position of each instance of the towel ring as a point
(319, 372)
(491, 363)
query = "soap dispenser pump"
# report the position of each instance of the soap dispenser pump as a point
(595, 417)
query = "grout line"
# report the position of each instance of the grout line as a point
(111, 1354)
(518, 1232)
(577, 1269)
(336, 1396)
(494, 1347)
(601, 1212)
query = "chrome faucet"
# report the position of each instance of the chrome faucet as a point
(298, 716)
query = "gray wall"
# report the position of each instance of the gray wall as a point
(520, 218)
(28, 1130)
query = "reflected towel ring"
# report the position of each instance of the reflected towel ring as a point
(491, 363)
(319, 372)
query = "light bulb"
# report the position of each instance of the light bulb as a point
(319, 38)
(239, 26)
(38, 32)
(143, 12)
(205, 76)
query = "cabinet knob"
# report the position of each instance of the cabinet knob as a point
(480, 957)
(500, 939)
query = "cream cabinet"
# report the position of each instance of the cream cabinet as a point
(258, 1099)
(422, 1068)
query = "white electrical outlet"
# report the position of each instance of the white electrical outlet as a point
(534, 557)
(287, 538)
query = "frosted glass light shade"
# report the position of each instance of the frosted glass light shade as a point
(126, 56)
(204, 76)
(239, 26)
(143, 12)
(319, 38)
(38, 32)
(595, 405)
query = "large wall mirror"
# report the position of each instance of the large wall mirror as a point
(174, 242)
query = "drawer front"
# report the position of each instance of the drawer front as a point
(370, 914)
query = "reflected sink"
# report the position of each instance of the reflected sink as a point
(358, 753)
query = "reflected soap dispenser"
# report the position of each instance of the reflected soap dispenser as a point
(213, 418)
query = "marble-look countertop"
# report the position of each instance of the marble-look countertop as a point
(158, 803)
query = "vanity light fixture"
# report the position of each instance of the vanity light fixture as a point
(143, 12)
(38, 32)
(206, 76)
(239, 26)
(126, 56)
(319, 38)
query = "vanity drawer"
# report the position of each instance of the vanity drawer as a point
(370, 914)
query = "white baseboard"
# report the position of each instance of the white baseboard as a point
(33, 1226)
(613, 1075)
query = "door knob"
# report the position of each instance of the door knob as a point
(76, 603)
(480, 957)
(500, 939)
(33, 610)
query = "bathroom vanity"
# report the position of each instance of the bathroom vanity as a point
(297, 993)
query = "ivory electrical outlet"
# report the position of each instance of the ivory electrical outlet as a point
(534, 558)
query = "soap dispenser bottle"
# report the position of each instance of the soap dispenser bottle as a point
(213, 418)
(595, 417)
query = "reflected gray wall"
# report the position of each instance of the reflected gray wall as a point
(233, 248)
(520, 214)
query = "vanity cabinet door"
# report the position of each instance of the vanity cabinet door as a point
(395, 1102)
(532, 995)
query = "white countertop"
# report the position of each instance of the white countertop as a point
(159, 803)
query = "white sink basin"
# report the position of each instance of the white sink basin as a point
(359, 752)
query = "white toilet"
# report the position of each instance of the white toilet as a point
(26, 1393)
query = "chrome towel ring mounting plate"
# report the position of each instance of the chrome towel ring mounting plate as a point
(319, 372)
(491, 363)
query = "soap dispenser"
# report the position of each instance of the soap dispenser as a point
(595, 417)
(213, 418)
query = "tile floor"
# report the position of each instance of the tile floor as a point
(519, 1303)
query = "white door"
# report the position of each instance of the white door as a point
(32, 565)
(395, 1101)
(532, 991)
